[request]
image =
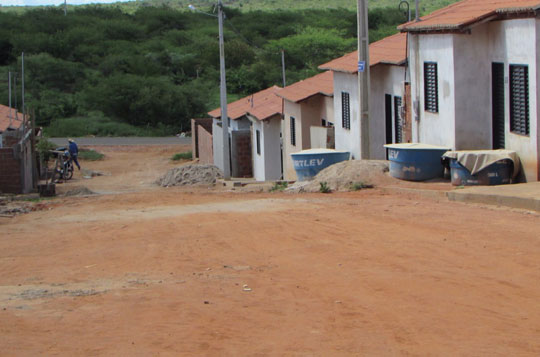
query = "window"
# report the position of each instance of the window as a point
(345, 111)
(293, 131)
(431, 93)
(519, 99)
(323, 122)
(258, 142)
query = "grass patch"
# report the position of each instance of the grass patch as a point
(182, 156)
(279, 186)
(357, 186)
(90, 155)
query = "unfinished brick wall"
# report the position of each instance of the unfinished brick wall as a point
(206, 123)
(205, 149)
(10, 172)
(242, 165)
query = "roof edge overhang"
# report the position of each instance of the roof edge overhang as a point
(252, 117)
(498, 14)
(308, 97)
(400, 63)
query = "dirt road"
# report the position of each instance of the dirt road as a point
(165, 271)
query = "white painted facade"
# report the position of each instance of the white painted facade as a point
(384, 79)
(267, 162)
(307, 113)
(464, 119)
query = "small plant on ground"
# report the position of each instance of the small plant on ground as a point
(356, 186)
(90, 155)
(324, 187)
(279, 186)
(182, 156)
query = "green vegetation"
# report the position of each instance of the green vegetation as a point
(90, 155)
(279, 186)
(182, 156)
(356, 186)
(43, 148)
(324, 187)
(134, 69)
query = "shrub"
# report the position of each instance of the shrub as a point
(324, 187)
(43, 147)
(279, 186)
(356, 186)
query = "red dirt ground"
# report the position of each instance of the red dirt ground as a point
(154, 271)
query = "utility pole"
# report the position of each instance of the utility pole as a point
(363, 77)
(223, 97)
(65, 7)
(283, 67)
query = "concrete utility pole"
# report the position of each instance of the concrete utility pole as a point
(363, 77)
(283, 68)
(223, 97)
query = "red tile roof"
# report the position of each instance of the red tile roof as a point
(461, 15)
(322, 83)
(4, 119)
(261, 105)
(389, 50)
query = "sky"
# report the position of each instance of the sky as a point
(53, 2)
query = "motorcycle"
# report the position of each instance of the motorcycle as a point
(65, 170)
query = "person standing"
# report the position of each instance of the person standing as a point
(74, 152)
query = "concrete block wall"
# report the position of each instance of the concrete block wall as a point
(10, 172)
(241, 154)
(204, 147)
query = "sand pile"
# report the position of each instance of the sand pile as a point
(341, 176)
(191, 175)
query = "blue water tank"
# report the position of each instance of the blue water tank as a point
(308, 163)
(498, 173)
(415, 161)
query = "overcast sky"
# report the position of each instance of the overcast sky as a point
(54, 2)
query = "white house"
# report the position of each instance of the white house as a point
(265, 116)
(474, 78)
(387, 59)
(307, 103)
(253, 138)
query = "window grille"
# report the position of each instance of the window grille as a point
(345, 111)
(293, 131)
(519, 99)
(431, 93)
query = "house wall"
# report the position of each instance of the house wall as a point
(433, 128)
(195, 124)
(347, 140)
(217, 143)
(204, 145)
(242, 124)
(10, 172)
(516, 42)
(307, 113)
(464, 121)
(384, 79)
(267, 165)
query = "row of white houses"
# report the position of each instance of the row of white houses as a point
(464, 77)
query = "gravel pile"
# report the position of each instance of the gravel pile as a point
(191, 175)
(341, 176)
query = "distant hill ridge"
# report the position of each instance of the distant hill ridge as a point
(426, 6)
